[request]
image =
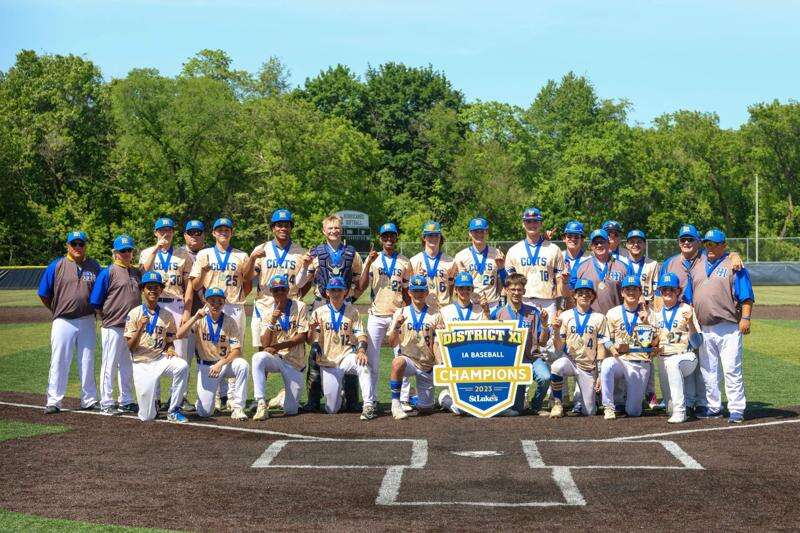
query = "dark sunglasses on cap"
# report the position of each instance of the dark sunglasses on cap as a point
(194, 232)
(77, 244)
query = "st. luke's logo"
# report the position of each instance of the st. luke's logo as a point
(482, 365)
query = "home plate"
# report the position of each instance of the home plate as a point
(479, 453)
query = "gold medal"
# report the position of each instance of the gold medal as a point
(601, 286)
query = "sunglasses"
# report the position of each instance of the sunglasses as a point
(126, 251)
(77, 244)
(686, 240)
(194, 232)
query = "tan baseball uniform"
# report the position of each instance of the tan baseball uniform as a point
(439, 284)
(486, 279)
(540, 263)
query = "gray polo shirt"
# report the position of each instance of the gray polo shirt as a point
(607, 289)
(718, 291)
(115, 293)
(69, 285)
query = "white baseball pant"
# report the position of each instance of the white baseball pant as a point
(677, 379)
(564, 366)
(175, 308)
(446, 401)
(293, 379)
(146, 376)
(116, 362)
(549, 305)
(424, 382)
(377, 326)
(66, 335)
(255, 326)
(332, 381)
(722, 346)
(633, 373)
(236, 313)
(207, 385)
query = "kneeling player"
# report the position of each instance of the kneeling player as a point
(412, 331)
(677, 361)
(219, 349)
(284, 330)
(579, 333)
(150, 332)
(630, 359)
(336, 326)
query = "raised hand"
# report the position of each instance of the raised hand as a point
(556, 323)
(142, 322)
(552, 232)
(500, 259)
(163, 242)
(307, 259)
(258, 251)
(276, 314)
(373, 254)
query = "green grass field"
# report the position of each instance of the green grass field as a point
(11, 521)
(12, 429)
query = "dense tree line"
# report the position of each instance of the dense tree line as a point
(400, 143)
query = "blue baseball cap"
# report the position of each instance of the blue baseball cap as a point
(279, 281)
(478, 223)
(637, 233)
(417, 282)
(151, 277)
(431, 227)
(575, 228)
(584, 284)
(223, 222)
(463, 279)
(669, 280)
(612, 225)
(212, 292)
(603, 234)
(714, 235)
(76, 236)
(281, 215)
(689, 230)
(631, 281)
(389, 227)
(124, 242)
(164, 223)
(532, 213)
(194, 224)
(336, 282)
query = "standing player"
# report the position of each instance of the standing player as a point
(723, 300)
(64, 289)
(219, 354)
(574, 256)
(614, 230)
(580, 335)
(485, 263)
(540, 261)
(630, 359)
(604, 271)
(115, 293)
(336, 326)
(412, 331)
(284, 332)
(435, 265)
(150, 333)
(388, 282)
(194, 241)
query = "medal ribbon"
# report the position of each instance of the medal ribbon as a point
(629, 325)
(535, 257)
(417, 323)
(710, 267)
(336, 255)
(165, 263)
(640, 264)
(280, 258)
(151, 325)
(284, 319)
(223, 263)
(601, 274)
(580, 327)
(519, 316)
(461, 315)
(336, 319)
(431, 270)
(214, 333)
(668, 322)
(389, 270)
(575, 263)
(479, 266)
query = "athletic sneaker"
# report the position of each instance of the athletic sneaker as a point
(509, 412)
(188, 407)
(51, 410)
(677, 418)
(397, 411)
(736, 418)
(652, 401)
(129, 408)
(277, 401)
(262, 412)
(368, 412)
(177, 417)
(609, 414)
(406, 406)
(577, 408)
(557, 411)
(238, 414)
(111, 411)
(705, 412)
(91, 407)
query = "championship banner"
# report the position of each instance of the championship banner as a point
(482, 365)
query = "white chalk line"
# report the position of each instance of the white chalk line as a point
(418, 459)
(703, 430)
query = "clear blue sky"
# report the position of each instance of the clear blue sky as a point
(660, 55)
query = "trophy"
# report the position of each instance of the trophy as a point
(643, 337)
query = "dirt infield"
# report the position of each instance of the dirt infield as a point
(436, 472)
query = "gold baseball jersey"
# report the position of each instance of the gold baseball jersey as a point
(582, 348)
(539, 265)
(647, 270)
(227, 276)
(674, 337)
(386, 288)
(174, 265)
(417, 345)
(229, 338)
(278, 261)
(455, 313)
(619, 335)
(335, 344)
(151, 345)
(439, 284)
(298, 323)
(486, 280)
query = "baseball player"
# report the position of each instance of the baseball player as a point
(64, 289)
(461, 310)
(336, 326)
(388, 283)
(604, 271)
(676, 360)
(150, 332)
(723, 300)
(485, 263)
(219, 354)
(284, 332)
(115, 293)
(332, 259)
(173, 265)
(614, 230)
(540, 261)
(412, 331)
(580, 334)
(194, 241)
(530, 317)
(574, 256)
(629, 358)
(434, 264)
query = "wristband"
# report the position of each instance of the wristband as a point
(362, 345)
(270, 326)
(745, 318)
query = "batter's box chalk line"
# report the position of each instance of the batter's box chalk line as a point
(389, 491)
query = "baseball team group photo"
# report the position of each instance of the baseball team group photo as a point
(303, 282)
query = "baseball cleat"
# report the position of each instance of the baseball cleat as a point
(407, 407)
(609, 413)
(277, 401)
(238, 414)
(51, 410)
(262, 412)
(91, 407)
(177, 417)
(557, 411)
(677, 418)
(397, 412)
(111, 411)
(577, 408)
(368, 413)
(736, 418)
(705, 412)
(129, 408)
(444, 394)
(188, 407)
(509, 412)
(652, 401)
